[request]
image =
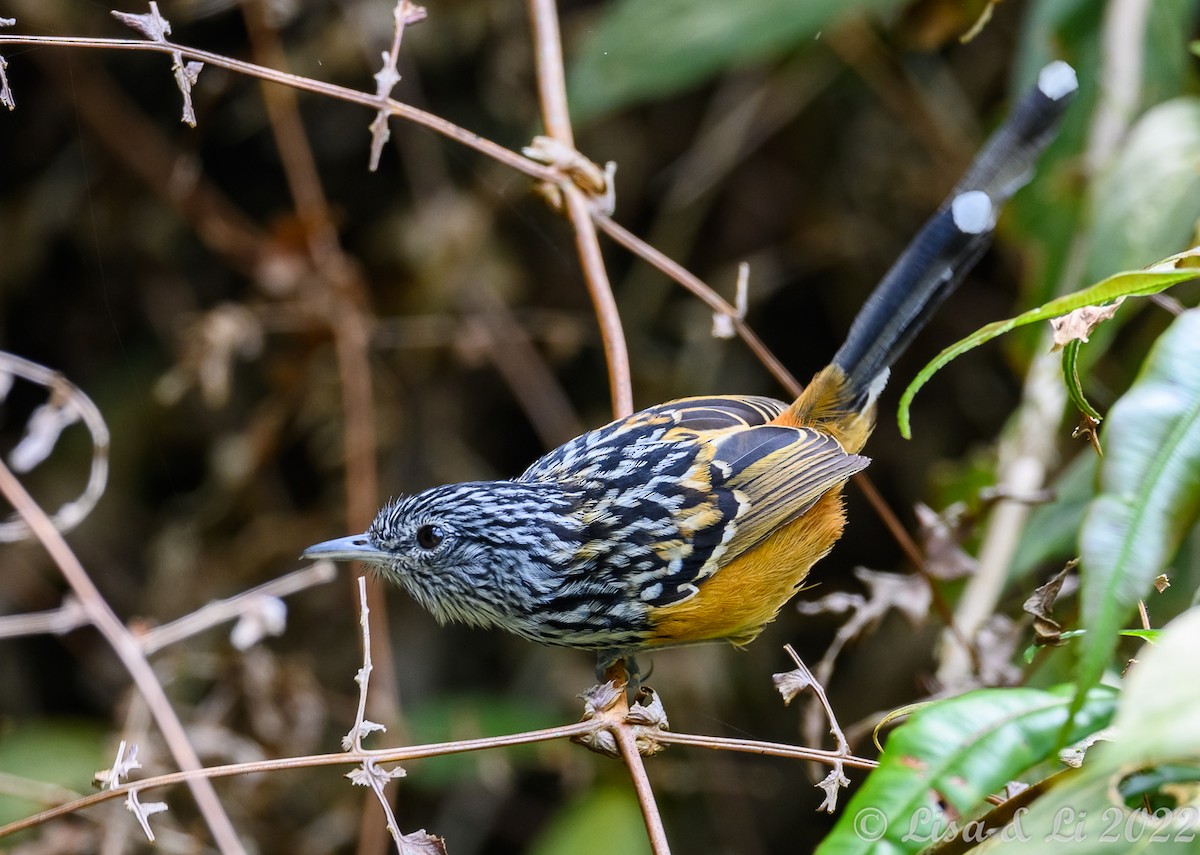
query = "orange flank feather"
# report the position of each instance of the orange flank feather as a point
(747, 594)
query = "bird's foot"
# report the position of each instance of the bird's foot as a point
(621, 703)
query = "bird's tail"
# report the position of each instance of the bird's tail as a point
(940, 255)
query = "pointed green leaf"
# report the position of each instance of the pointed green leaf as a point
(1074, 385)
(962, 749)
(1157, 722)
(1132, 283)
(1147, 204)
(1149, 490)
(603, 821)
(1052, 532)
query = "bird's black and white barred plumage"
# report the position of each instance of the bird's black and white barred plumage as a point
(630, 517)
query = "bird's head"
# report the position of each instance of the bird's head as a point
(485, 553)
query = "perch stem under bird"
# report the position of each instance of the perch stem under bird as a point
(697, 519)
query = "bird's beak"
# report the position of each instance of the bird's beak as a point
(356, 547)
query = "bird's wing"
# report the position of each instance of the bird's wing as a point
(778, 473)
(671, 494)
(620, 445)
(715, 412)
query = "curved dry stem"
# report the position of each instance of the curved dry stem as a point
(130, 653)
(69, 401)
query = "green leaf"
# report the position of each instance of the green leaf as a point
(604, 821)
(1052, 533)
(1149, 635)
(1149, 490)
(639, 50)
(1074, 386)
(1147, 204)
(55, 752)
(1131, 283)
(1156, 739)
(468, 716)
(962, 749)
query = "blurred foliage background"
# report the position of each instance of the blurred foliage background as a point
(155, 266)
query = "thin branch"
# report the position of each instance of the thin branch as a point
(384, 755)
(128, 651)
(307, 84)
(221, 611)
(792, 683)
(551, 80)
(626, 737)
(352, 741)
(552, 94)
(388, 76)
(769, 749)
(580, 212)
(392, 755)
(68, 617)
(707, 295)
(369, 773)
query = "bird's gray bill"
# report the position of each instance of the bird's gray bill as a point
(356, 547)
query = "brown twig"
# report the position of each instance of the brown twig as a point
(768, 749)
(707, 295)
(626, 737)
(580, 212)
(386, 755)
(552, 94)
(221, 611)
(306, 84)
(551, 80)
(128, 651)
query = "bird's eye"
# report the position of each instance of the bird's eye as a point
(429, 536)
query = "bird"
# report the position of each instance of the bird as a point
(697, 519)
